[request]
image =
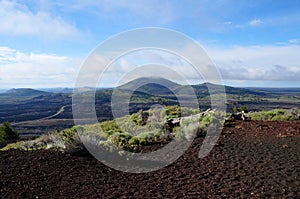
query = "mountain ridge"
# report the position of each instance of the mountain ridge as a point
(161, 86)
(148, 85)
(25, 92)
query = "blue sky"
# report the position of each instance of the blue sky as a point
(253, 43)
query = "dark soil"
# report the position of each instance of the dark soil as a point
(251, 160)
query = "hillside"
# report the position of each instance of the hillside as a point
(24, 92)
(20, 95)
(202, 89)
(57, 90)
(161, 86)
(153, 86)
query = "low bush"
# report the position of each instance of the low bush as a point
(273, 115)
(109, 128)
(189, 111)
(70, 135)
(148, 137)
(18, 145)
(188, 130)
(134, 141)
(196, 127)
(171, 112)
(120, 139)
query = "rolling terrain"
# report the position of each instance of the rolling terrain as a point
(251, 159)
(36, 112)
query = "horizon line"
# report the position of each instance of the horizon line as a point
(112, 87)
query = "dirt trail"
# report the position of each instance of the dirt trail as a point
(61, 110)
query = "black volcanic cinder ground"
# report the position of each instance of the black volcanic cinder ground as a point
(252, 160)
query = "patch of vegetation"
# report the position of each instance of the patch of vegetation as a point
(275, 115)
(18, 145)
(120, 140)
(197, 126)
(242, 108)
(58, 140)
(171, 112)
(177, 112)
(108, 128)
(125, 133)
(140, 118)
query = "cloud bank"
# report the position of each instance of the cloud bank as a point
(19, 69)
(262, 63)
(18, 20)
(240, 64)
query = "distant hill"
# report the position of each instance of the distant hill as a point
(276, 90)
(57, 90)
(143, 87)
(160, 86)
(151, 85)
(70, 90)
(3, 90)
(24, 92)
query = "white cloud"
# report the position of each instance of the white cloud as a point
(18, 19)
(227, 23)
(153, 60)
(255, 22)
(294, 41)
(19, 69)
(239, 63)
(265, 63)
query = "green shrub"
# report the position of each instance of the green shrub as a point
(235, 109)
(179, 133)
(176, 112)
(134, 118)
(188, 111)
(188, 129)
(69, 135)
(206, 120)
(194, 127)
(146, 137)
(17, 145)
(171, 112)
(242, 108)
(287, 117)
(109, 128)
(134, 141)
(107, 146)
(140, 118)
(272, 115)
(120, 140)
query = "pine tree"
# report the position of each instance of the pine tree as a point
(7, 133)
